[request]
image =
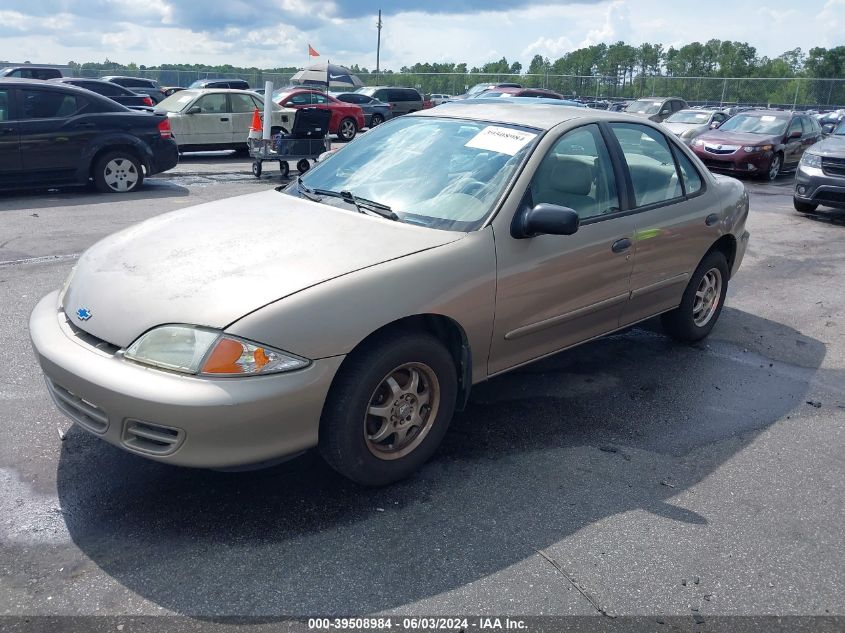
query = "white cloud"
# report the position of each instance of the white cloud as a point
(617, 20)
(548, 47)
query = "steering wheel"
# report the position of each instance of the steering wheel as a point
(471, 188)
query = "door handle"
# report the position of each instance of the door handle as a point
(89, 124)
(7, 130)
(224, 118)
(711, 219)
(620, 246)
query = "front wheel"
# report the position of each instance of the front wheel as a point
(702, 302)
(774, 167)
(256, 168)
(118, 172)
(804, 207)
(388, 408)
(303, 165)
(284, 168)
(347, 129)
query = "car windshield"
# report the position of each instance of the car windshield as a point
(644, 107)
(176, 102)
(478, 88)
(756, 124)
(840, 131)
(440, 173)
(689, 116)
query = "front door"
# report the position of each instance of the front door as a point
(10, 150)
(212, 125)
(556, 291)
(793, 148)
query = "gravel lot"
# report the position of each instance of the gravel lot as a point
(665, 479)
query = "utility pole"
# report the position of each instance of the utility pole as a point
(378, 44)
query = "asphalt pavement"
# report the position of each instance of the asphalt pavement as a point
(633, 475)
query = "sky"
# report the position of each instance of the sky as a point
(275, 33)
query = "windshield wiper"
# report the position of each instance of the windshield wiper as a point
(306, 192)
(362, 204)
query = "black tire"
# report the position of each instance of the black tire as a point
(284, 168)
(375, 120)
(680, 323)
(303, 165)
(347, 129)
(804, 207)
(256, 168)
(775, 167)
(240, 150)
(119, 171)
(344, 423)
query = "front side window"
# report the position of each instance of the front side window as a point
(796, 126)
(440, 173)
(303, 98)
(212, 104)
(577, 173)
(650, 163)
(318, 98)
(44, 104)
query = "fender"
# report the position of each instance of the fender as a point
(113, 139)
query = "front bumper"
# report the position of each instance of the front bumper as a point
(174, 418)
(737, 162)
(814, 186)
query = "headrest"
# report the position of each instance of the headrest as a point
(571, 176)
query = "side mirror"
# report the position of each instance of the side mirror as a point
(827, 128)
(665, 111)
(194, 110)
(545, 219)
(795, 134)
(715, 124)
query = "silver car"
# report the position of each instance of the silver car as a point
(687, 124)
(354, 310)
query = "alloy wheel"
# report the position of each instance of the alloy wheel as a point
(707, 297)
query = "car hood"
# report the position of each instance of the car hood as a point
(651, 117)
(739, 138)
(833, 146)
(680, 128)
(214, 263)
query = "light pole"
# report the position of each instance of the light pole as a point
(378, 42)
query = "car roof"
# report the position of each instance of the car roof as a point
(537, 115)
(50, 84)
(781, 114)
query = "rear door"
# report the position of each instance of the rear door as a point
(54, 133)
(242, 107)
(10, 150)
(671, 233)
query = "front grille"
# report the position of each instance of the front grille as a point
(151, 438)
(719, 164)
(720, 149)
(833, 166)
(78, 409)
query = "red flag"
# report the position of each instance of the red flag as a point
(312, 52)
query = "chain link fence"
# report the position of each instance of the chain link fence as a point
(791, 92)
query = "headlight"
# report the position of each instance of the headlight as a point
(753, 149)
(811, 160)
(65, 286)
(203, 351)
(698, 142)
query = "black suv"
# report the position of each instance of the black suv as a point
(31, 72)
(235, 84)
(116, 93)
(53, 134)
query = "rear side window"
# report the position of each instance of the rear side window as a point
(4, 104)
(301, 99)
(242, 103)
(650, 163)
(44, 104)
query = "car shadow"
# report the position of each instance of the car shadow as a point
(153, 188)
(621, 424)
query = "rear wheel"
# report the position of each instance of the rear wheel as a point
(118, 172)
(256, 169)
(284, 168)
(804, 207)
(303, 165)
(347, 129)
(376, 119)
(702, 302)
(389, 408)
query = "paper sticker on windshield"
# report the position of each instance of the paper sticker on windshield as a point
(504, 140)
(184, 98)
(767, 117)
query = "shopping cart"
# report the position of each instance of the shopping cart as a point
(308, 138)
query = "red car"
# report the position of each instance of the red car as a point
(346, 120)
(509, 91)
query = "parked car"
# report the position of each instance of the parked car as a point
(485, 86)
(148, 87)
(759, 143)
(121, 95)
(830, 120)
(618, 106)
(542, 101)
(687, 124)
(401, 100)
(820, 177)
(478, 238)
(55, 134)
(347, 118)
(169, 90)
(234, 84)
(28, 71)
(375, 111)
(204, 120)
(536, 93)
(438, 98)
(656, 108)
